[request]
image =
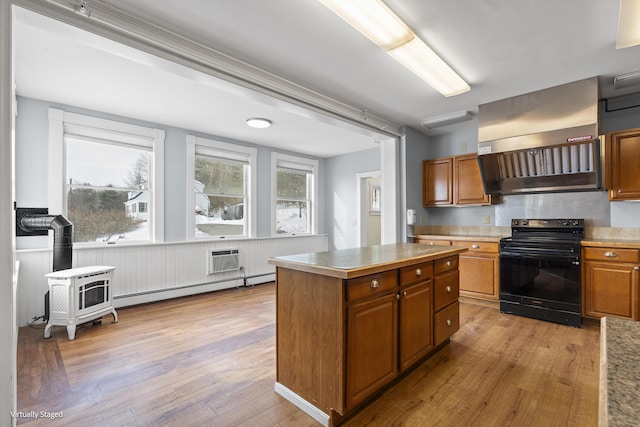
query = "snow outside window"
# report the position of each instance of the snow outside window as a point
(294, 206)
(108, 174)
(220, 188)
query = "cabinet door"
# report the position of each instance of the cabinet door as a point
(623, 158)
(611, 289)
(372, 347)
(437, 186)
(479, 275)
(416, 323)
(468, 188)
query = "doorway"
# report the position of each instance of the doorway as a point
(369, 208)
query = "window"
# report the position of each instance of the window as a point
(294, 185)
(110, 176)
(221, 189)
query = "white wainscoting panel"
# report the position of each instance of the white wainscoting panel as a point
(146, 273)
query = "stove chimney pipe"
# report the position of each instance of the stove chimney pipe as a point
(62, 236)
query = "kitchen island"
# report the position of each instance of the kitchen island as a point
(349, 322)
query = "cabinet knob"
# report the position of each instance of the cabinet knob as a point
(448, 263)
(375, 284)
(418, 272)
(448, 322)
(448, 288)
(636, 268)
(610, 254)
(474, 246)
(431, 243)
(405, 294)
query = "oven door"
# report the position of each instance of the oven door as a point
(543, 285)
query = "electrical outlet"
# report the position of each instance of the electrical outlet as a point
(463, 147)
(486, 219)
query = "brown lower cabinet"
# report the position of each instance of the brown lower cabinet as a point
(372, 340)
(339, 341)
(480, 270)
(479, 266)
(610, 282)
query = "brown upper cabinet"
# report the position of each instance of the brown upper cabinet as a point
(453, 181)
(622, 154)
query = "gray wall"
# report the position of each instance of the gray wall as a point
(32, 135)
(341, 185)
(593, 206)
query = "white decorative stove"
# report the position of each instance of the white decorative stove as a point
(79, 295)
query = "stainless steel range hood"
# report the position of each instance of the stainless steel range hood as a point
(542, 142)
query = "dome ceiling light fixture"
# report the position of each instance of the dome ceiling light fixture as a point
(258, 122)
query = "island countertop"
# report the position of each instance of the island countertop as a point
(356, 262)
(619, 376)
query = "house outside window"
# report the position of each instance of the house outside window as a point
(294, 184)
(221, 189)
(110, 176)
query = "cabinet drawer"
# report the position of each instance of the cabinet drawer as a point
(446, 290)
(416, 273)
(445, 264)
(446, 322)
(434, 242)
(479, 246)
(373, 284)
(612, 254)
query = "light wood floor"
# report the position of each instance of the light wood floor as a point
(210, 360)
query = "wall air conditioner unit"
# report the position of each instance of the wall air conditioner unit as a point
(220, 260)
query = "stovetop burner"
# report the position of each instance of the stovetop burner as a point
(552, 236)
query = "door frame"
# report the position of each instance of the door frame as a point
(362, 208)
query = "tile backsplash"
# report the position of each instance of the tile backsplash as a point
(591, 233)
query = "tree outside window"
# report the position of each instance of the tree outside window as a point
(220, 188)
(107, 191)
(292, 201)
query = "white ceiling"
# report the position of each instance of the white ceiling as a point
(501, 48)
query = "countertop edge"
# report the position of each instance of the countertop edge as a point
(603, 401)
(367, 269)
(595, 243)
(458, 237)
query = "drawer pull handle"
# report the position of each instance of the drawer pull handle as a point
(448, 263)
(474, 246)
(448, 288)
(418, 272)
(375, 284)
(610, 254)
(448, 322)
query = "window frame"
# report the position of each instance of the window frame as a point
(222, 150)
(299, 163)
(64, 124)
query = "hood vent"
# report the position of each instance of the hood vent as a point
(546, 141)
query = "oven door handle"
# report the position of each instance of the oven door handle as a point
(541, 255)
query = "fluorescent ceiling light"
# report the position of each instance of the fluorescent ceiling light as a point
(626, 80)
(378, 23)
(373, 19)
(426, 64)
(259, 123)
(445, 120)
(628, 24)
